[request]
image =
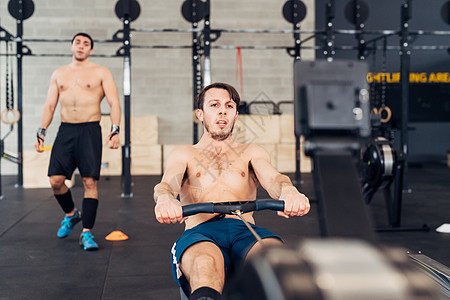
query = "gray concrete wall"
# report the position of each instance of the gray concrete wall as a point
(161, 79)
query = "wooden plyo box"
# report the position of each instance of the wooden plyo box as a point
(287, 131)
(259, 129)
(276, 134)
(35, 167)
(146, 159)
(111, 162)
(286, 159)
(145, 151)
(144, 130)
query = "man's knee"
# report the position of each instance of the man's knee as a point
(203, 265)
(90, 184)
(89, 181)
(201, 255)
(90, 187)
(57, 184)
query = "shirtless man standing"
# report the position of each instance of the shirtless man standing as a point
(218, 169)
(79, 87)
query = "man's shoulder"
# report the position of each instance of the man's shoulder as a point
(256, 151)
(95, 65)
(62, 69)
(251, 147)
(182, 151)
(181, 154)
(183, 147)
(102, 70)
(92, 65)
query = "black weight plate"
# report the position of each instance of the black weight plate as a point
(193, 10)
(294, 11)
(27, 9)
(349, 11)
(135, 9)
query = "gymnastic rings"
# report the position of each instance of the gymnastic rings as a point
(384, 110)
(10, 116)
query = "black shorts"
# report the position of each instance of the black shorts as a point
(77, 145)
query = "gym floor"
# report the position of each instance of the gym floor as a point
(35, 264)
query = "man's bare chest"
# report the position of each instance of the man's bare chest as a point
(211, 167)
(79, 81)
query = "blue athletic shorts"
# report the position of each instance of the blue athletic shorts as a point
(232, 237)
(77, 145)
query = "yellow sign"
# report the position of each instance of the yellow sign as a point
(438, 77)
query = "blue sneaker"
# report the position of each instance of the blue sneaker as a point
(87, 241)
(68, 223)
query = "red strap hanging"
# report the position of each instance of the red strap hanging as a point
(239, 77)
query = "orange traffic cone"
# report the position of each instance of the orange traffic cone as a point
(116, 236)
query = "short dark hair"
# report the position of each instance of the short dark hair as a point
(218, 85)
(85, 35)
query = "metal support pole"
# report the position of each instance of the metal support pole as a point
(1, 153)
(297, 56)
(329, 36)
(395, 207)
(297, 47)
(359, 26)
(126, 149)
(19, 55)
(298, 173)
(196, 75)
(207, 46)
(404, 81)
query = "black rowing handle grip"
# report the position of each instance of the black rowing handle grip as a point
(192, 209)
(270, 204)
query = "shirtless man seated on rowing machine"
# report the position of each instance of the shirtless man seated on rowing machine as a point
(218, 169)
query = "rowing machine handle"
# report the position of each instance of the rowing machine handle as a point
(229, 207)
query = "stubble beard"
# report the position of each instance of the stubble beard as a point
(221, 135)
(80, 58)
